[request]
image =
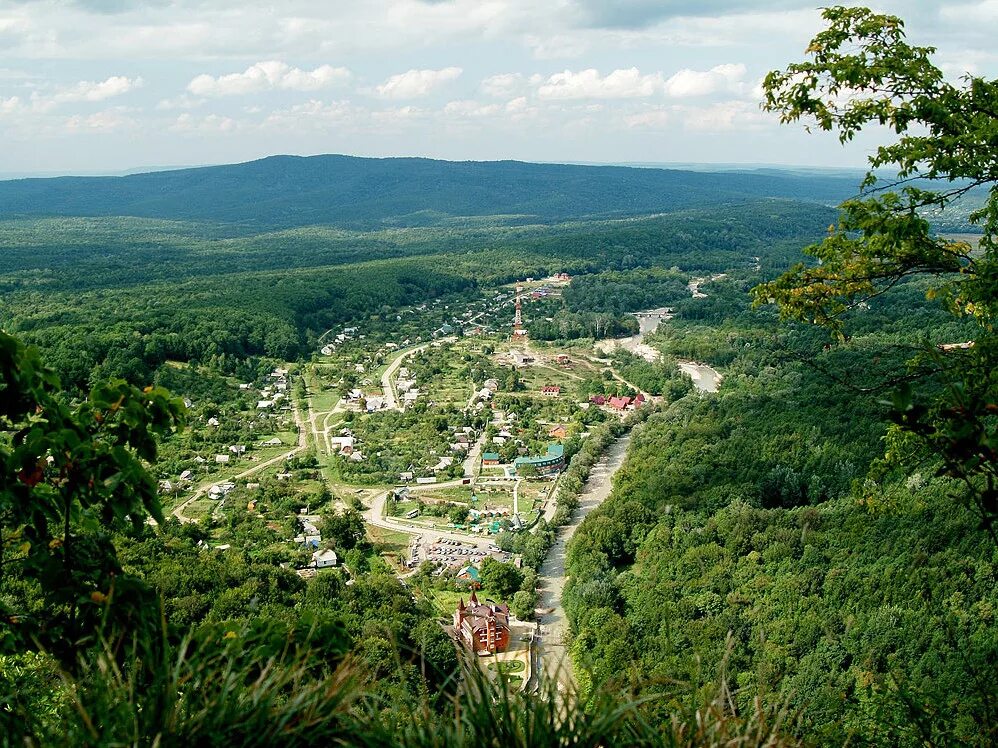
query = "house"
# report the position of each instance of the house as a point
(597, 400)
(462, 438)
(221, 459)
(411, 396)
(324, 559)
(264, 404)
(490, 458)
(558, 431)
(238, 449)
(375, 402)
(619, 403)
(551, 390)
(342, 444)
(273, 442)
(458, 447)
(492, 384)
(482, 627)
(520, 358)
(485, 394)
(213, 421)
(356, 456)
(564, 360)
(187, 475)
(445, 462)
(406, 476)
(245, 386)
(355, 394)
(220, 489)
(639, 400)
(547, 464)
(165, 486)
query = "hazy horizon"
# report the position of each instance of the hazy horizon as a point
(678, 165)
(100, 86)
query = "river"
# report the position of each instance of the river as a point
(705, 378)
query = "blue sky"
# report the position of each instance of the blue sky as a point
(105, 85)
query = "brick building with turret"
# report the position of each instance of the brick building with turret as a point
(482, 627)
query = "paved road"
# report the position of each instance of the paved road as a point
(375, 515)
(553, 626)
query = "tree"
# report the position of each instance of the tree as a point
(346, 530)
(458, 514)
(499, 578)
(861, 71)
(70, 474)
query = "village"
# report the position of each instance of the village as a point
(441, 446)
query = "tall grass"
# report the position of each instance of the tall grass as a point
(244, 691)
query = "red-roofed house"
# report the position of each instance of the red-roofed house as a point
(552, 390)
(483, 627)
(597, 400)
(619, 403)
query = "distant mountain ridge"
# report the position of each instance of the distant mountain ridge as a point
(289, 191)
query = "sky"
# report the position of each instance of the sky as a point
(98, 86)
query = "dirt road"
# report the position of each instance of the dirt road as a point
(553, 626)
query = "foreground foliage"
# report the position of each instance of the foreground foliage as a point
(862, 72)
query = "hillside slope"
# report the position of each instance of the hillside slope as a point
(289, 191)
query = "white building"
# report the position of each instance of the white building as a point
(324, 559)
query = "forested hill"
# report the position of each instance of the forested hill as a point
(289, 191)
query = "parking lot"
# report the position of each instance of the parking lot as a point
(449, 552)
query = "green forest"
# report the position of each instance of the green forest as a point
(806, 556)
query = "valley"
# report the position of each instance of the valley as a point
(562, 452)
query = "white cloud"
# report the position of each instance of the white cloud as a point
(517, 105)
(469, 108)
(501, 85)
(108, 120)
(654, 119)
(12, 105)
(179, 102)
(207, 125)
(314, 114)
(589, 84)
(976, 13)
(268, 75)
(703, 83)
(724, 116)
(415, 83)
(399, 115)
(556, 47)
(116, 85)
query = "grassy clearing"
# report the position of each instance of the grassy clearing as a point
(388, 544)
